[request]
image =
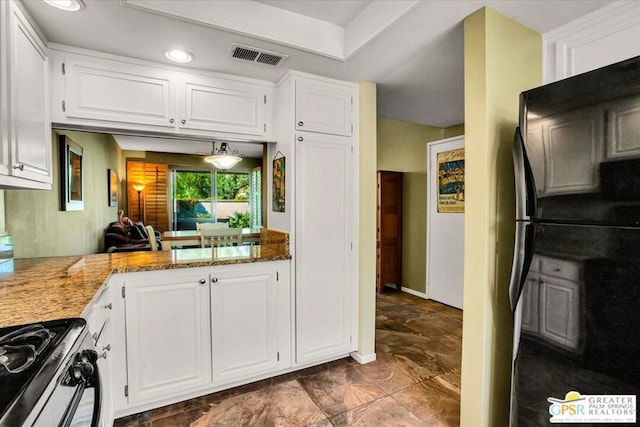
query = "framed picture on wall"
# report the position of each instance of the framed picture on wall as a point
(112, 188)
(71, 175)
(451, 181)
(279, 200)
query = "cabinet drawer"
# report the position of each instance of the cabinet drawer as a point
(565, 269)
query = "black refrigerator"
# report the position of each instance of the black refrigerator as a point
(575, 284)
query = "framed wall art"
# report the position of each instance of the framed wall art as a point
(112, 188)
(451, 181)
(71, 175)
(279, 172)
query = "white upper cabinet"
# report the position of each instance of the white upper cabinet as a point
(25, 155)
(324, 107)
(212, 104)
(113, 91)
(106, 92)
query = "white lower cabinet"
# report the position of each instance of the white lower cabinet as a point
(168, 335)
(250, 334)
(105, 367)
(193, 331)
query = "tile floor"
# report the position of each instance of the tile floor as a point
(415, 381)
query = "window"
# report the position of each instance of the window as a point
(216, 196)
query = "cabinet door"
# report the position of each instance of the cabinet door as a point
(324, 107)
(560, 311)
(223, 106)
(30, 128)
(118, 92)
(244, 319)
(574, 148)
(325, 283)
(168, 335)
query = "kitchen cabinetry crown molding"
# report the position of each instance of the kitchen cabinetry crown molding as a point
(600, 38)
(60, 48)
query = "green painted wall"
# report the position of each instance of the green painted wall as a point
(402, 148)
(34, 219)
(452, 131)
(502, 58)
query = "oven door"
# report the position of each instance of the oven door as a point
(75, 398)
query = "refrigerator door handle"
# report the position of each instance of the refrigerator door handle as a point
(522, 257)
(525, 184)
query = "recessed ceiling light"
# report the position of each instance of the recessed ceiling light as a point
(178, 55)
(68, 5)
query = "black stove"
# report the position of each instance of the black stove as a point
(46, 370)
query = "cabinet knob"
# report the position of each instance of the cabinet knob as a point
(103, 355)
(300, 123)
(95, 336)
(19, 166)
(183, 121)
(214, 280)
(171, 120)
(202, 281)
(107, 347)
(109, 306)
(300, 138)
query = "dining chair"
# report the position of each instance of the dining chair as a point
(152, 238)
(209, 226)
(217, 237)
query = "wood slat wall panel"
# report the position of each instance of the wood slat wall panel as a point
(154, 200)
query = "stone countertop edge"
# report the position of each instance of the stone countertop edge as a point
(41, 289)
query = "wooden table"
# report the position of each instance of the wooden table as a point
(171, 239)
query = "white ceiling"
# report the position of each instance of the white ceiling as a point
(412, 49)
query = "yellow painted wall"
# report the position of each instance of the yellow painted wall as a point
(402, 147)
(34, 219)
(367, 219)
(502, 58)
(452, 131)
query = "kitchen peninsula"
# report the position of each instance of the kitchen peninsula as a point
(41, 289)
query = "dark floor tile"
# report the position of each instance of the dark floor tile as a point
(436, 401)
(387, 372)
(340, 389)
(382, 412)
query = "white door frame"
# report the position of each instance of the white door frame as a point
(431, 146)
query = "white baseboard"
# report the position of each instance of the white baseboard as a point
(416, 293)
(362, 359)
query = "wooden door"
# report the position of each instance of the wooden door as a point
(389, 231)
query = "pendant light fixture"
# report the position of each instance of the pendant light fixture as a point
(223, 157)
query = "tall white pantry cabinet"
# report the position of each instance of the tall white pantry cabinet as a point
(317, 129)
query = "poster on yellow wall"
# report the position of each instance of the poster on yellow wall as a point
(451, 181)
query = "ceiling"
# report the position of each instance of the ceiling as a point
(412, 49)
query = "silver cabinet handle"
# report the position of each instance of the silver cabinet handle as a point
(103, 355)
(107, 347)
(202, 281)
(108, 306)
(300, 123)
(214, 280)
(183, 121)
(300, 138)
(171, 120)
(19, 166)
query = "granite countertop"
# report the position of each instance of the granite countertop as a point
(40, 289)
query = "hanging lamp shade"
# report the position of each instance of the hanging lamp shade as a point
(223, 157)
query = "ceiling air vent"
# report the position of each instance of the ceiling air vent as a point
(254, 54)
